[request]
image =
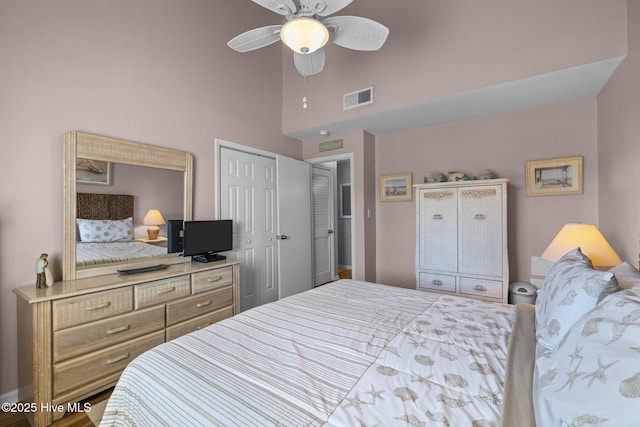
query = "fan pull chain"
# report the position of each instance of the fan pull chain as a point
(304, 96)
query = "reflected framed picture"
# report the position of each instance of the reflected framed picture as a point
(396, 187)
(93, 172)
(554, 177)
(345, 201)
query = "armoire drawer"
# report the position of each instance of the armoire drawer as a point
(89, 368)
(208, 280)
(87, 308)
(437, 282)
(78, 340)
(481, 287)
(160, 291)
(198, 323)
(196, 305)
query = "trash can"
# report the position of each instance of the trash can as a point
(522, 292)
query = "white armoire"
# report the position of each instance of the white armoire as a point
(461, 238)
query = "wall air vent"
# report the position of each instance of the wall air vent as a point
(358, 98)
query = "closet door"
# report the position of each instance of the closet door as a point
(481, 230)
(248, 197)
(438, 229)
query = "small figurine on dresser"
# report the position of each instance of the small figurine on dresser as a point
(44, 278)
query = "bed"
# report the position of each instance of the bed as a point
(105, 231)
(353, 353)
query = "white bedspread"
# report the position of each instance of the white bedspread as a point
(100, 253)
(347, 353)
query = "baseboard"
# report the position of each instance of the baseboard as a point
(346, 267)
(9, 397)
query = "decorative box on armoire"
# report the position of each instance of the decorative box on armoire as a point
(461, 238)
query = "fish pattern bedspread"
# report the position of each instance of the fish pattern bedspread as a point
(346, 353)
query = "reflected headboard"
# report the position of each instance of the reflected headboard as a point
(104, 206)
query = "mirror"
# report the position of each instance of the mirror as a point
(156, 177)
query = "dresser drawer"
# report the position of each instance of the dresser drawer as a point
(159, 291)
(198, 323)
(436, 282)
(78, 340)
(87, 369)
(481, 287)
(86, 308)
(187, 308)
(207, 280)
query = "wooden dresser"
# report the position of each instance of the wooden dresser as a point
(76, 337)
(461, 238)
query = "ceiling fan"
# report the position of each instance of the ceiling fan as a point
(308, 28)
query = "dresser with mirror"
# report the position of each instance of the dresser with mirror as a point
(76, 337)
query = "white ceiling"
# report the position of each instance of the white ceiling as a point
(583, 81)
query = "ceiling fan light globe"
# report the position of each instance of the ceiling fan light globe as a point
(304, 35)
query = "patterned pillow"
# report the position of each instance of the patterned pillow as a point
(571, 289)
(627, 276)
(94, 230)
(593, 376)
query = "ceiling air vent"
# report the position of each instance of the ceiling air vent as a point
(358, 98)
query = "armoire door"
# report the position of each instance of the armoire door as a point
(481, 242)
(438, 229)
(248, 197)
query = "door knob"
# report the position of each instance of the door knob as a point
(330, 231)
(282, 237)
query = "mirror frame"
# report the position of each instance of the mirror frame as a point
(96, 147)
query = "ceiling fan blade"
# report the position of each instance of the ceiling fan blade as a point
(323, 7)
(311, 63)
(256, 38)
(355, 32)
(282, 7)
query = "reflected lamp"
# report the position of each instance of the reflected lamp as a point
(153, 219)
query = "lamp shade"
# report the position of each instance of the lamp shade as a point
(588, 238)
(153, 217)
(304, 35)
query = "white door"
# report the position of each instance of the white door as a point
(248, 197)
(294, 226)
(323, 197)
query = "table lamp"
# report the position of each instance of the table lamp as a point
(153, 219)
(590, 241)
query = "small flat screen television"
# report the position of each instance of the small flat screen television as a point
(203, 240)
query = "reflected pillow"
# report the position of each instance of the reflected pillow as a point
(570, 290)
(107, 230)
(593, 376)
(627, 276)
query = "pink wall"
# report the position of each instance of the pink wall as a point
(154, 71)
(501, 143)
(619, 149)
(438, 48)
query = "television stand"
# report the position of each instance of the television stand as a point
(209, 257)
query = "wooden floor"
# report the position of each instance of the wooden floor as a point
(344, 273)
(78, 419)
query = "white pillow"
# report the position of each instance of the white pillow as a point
(593, 375)
(570, 290)
(626, 275)
(94, 230)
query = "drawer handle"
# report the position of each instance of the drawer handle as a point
(203, 326)
(479, 216)
(166, 291)
(480, 288)
(204, 304)
(117, 359)
(99, 306)
(119, 329)
(437, 216)
(436, 282)
(215, 279)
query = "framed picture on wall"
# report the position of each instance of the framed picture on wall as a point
(554, 177)
(345, 200)
(93, 172)
(396, 187)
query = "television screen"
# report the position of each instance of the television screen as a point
(207, 237)
(174, 235)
